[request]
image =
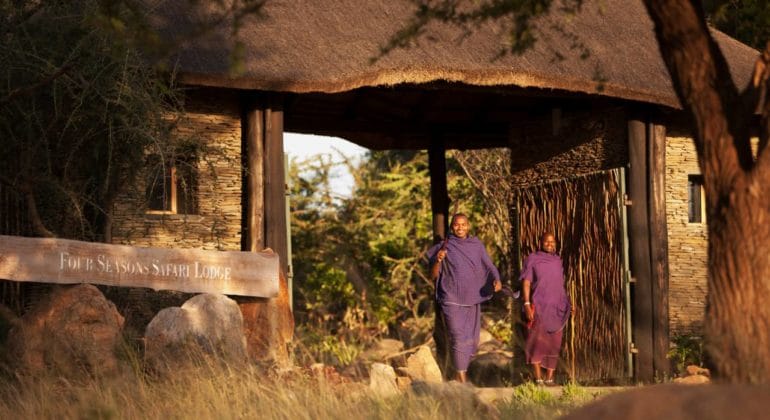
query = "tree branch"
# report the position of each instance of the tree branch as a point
(703, 83)
(761, 85)
(23, 90)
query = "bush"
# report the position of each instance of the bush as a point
(686, 350)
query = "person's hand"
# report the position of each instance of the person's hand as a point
(498, 285)
(528, 312)
(441, 255)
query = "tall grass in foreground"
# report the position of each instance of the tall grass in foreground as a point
(214, 394)
(222, 392)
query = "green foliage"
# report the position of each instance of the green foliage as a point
(502, 330)
(536, 402)
(686, 350)
(81, 106)
(365, 254)
(746, 20)
(78, 112)
(314, 346)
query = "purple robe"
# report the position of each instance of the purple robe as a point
(552, 307)
(466, 279)
(467, 274)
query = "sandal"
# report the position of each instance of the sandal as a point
(549, 382)
(539, 382)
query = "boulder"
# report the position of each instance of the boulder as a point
(207, 324)
(674, 402)
(697, 370)
(485, 336)
(382, 349)
(692, 380)
(453, 392)
(414, 331)
(421, 366)
(490, 346)
(492, 369)
(74, 330)
(382, 380)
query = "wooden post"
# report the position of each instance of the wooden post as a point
(252, 132)
(267, 323)
(439, 197)
(639, 236)
(656, 135)
(275, 184)
(439, 200)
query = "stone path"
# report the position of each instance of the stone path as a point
(492, 395)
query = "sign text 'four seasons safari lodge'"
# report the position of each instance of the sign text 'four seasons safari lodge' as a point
(187, 270)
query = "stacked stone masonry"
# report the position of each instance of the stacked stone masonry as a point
(213, 118)
(687, 242)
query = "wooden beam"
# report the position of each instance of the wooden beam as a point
(439, 197)
(639, 245)
(252, 145)
(439, 200)
(275, 184)
(658, 248)
(63, 261)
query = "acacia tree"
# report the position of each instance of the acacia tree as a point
(85, 97)
(737, 318)
(737, 326)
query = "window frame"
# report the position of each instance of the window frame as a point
(170, 189)
(695, 198)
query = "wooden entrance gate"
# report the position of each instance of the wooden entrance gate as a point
(585, 214)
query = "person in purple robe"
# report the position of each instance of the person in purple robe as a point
(546, 307)
(465, 277)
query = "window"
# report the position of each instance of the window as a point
(172, 185)
(695, 198)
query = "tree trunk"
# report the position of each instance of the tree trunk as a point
(737, 324)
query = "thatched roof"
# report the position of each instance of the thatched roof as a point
(327, 46)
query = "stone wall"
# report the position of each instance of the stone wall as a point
(213, 117)
(687, 242)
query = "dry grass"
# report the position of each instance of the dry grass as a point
(208, 393)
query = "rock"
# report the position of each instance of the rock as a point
(382, 380)
(72, 331)
(675, 402)
(692, 380)
(207, 324)
(421, 366)
(403, 382)
(382, 349)
(485, 336)
(697, 370)
(415, 331)
(490, 346)
(268, 325)
(491, 369)
(456, 393)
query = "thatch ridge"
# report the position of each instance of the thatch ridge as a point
(311, 46)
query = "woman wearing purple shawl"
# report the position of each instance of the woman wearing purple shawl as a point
(465, 277)
(546, 306)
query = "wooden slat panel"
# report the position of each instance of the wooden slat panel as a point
(64, 261)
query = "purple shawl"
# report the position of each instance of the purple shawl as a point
(467, 274)
(545, 271)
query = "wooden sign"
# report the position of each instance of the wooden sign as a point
(64, 261)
